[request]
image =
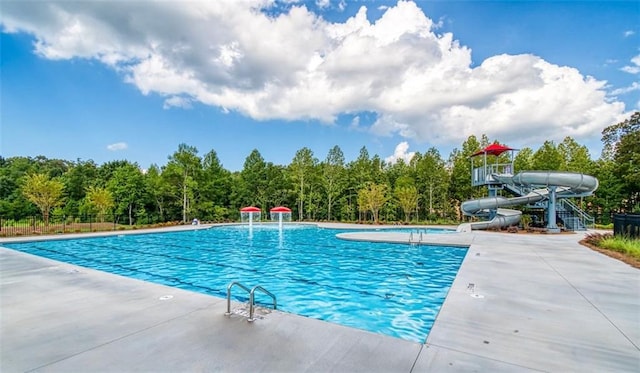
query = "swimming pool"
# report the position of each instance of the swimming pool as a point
(392, 289)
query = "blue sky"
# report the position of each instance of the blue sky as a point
(133, 80)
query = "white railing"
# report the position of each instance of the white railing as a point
(483, 175)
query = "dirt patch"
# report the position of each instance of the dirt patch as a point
(634, 262)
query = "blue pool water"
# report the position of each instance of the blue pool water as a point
(392, 289)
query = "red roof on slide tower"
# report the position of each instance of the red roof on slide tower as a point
(280, 209)
(250, 209)
(493, 149)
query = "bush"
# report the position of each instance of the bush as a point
(624, 245)
(604, 226)
(596, 238)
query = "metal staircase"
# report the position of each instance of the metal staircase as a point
(573, 217)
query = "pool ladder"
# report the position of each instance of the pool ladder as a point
(252, 302)
(419, 238)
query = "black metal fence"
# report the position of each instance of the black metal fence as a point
(59, 224)
(626, 225)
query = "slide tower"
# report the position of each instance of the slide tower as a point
(548, 190)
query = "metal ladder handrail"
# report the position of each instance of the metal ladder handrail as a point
(583, 214)
(252, 300)
(419, 233)
(234, 283)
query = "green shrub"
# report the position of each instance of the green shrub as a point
(625, 245)
(604, 226)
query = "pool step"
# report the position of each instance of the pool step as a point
(252, 303)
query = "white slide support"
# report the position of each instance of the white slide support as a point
(568, 184)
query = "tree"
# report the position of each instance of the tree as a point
(186, 163)
(372, 198)
(127, 188)
(609, 196)
(278, 187)
(359, 175)
(53, 168)
(407, 197)
(622, 145)
(101, 199)
(402, 171)
(522, 161)
(576, 156)
(612, 135)
(157, 188)
(214, 186)
(13, 203)
(333, 177)
(301, 168)
(433, 179)
(106, 170)
(250, 184)
(77, 179)
(460, 188)
(43, 192)
(548, 158)
(361, 169)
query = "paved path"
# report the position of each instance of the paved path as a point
(519, 303)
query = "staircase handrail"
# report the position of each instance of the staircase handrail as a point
(586, 219)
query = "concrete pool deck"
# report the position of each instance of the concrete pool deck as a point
(518, 303)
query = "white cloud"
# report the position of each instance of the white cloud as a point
(117, 146)
(323, 3)
(400, 153)
(629, 33)
(177, 101)
(634, 68)
(355, 122)
(635, 86)
(296, 65)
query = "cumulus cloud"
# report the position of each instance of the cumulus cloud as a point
(243, 56)
(629, 33)
(117, 146)
(634, 68)
(400, 153)
(177, 101)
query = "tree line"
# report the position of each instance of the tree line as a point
(428, 188)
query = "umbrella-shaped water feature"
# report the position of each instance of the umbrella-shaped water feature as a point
(281, 213)
(249, 214)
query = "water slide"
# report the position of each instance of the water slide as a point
(566, 184)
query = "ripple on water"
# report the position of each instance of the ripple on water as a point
(392, 289)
